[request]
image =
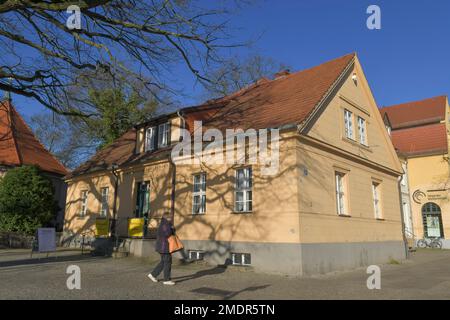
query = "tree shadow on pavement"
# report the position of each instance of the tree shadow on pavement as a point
(50, 259)
(226, 295)
(202, 273)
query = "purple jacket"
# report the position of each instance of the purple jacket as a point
(165, 230)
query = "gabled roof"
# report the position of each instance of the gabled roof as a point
(417, 127)
(19, 146)
(285, 100)
(416, 113)
(282, 101)
(428, 139)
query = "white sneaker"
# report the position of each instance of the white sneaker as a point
(169, 283)
(151, 277)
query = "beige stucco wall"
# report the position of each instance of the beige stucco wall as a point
(319, 220)
(86, 224)
(358, 99)
(158, 174)
(290, 207)
(426, 174)
(275, 203)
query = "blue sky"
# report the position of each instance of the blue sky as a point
(408, 59)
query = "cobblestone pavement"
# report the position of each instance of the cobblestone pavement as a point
(425, 276)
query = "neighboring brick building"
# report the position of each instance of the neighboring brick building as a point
(19, 146)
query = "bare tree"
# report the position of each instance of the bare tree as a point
(236, 73)
(143, 40)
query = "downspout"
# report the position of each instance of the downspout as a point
(405, 241)
(116, 186)
(174, 172)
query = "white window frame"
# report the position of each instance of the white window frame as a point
(245, 188)
(163, 134)
(376, 196)
(362, 131)
(348, 124)
(200, 193)
(196, 255)
(104, 209)
(150, 137)
(242, 262)
(341, 193)
(84, 202)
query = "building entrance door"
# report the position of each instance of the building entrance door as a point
(432, 221)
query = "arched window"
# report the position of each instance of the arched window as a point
(432, 221)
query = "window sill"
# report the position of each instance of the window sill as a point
(198, 214)
(356, 143)
(344, 215)
(241, 212)
(380, 219)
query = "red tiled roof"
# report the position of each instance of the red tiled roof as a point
(416, 113)
(286, 100)
(266, 104)
(19, 146)
(427, 139)
(118, 152)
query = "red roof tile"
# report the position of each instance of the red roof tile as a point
(286, 100)
(19, 146)
(264, 104)
(427, 139)
(416, 113)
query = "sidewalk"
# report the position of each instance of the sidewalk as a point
(425, 276)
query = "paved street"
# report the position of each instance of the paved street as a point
(425, 276)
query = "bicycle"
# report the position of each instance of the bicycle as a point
(434, 243)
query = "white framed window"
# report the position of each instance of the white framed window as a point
(196, 254)
(104, 205)
(243, 190)
(341, 196)
(362, 131)
(150, 136)
(163, 134)
(348, 123)
(376, 200)
(84, 200)
(199, 194)
(241, 259)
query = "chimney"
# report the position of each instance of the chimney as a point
(282, 74)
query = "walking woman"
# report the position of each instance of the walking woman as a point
(165, 230)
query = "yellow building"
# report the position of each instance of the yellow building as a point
(420, 131)
(327, 200)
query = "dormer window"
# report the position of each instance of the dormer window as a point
(163, 135)
(150, 139)
(157, 136)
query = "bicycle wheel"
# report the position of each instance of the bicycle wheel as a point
(436, 244)
(421, 243)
